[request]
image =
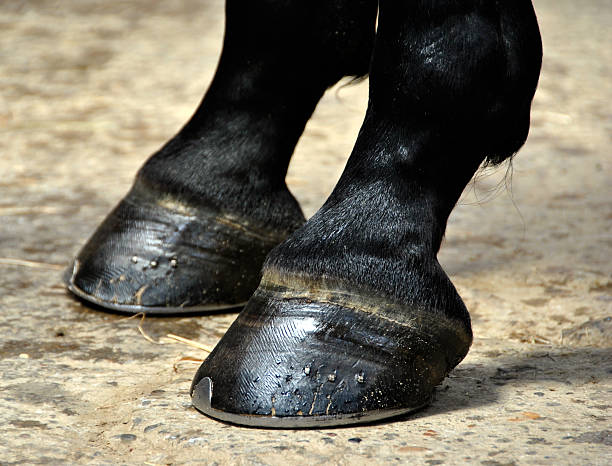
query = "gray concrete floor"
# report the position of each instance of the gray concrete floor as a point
(89, 88)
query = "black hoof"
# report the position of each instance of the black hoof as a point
(322, 357)
(159, 255)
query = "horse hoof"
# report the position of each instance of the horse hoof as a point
(155, 254)
(326, 357)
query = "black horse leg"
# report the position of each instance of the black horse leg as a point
(207, 208)
(354, 319)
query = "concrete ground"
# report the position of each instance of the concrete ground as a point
(89, 88)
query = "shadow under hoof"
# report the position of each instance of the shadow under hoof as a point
(157, 255)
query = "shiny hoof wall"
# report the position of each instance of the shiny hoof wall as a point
(157, 255)
(326, 358)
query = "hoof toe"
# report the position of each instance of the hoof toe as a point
(320, 358)
(157, 255)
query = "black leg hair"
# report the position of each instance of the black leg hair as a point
(278, 58)
(354, 319)
(450, 86)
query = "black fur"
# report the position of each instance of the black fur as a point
(357, 292)
(278, 58)
(449, 87)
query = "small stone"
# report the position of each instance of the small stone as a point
(307, 370)
(24, 356)
(173, 263)
(331, 377)
(134, 259)
(126, 437)
(153, 264)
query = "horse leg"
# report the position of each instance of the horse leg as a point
(206, 209)
(354, 319)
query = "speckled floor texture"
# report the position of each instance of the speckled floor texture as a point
(90, 88)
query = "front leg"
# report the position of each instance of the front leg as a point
(354, 319)
(206, 209)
